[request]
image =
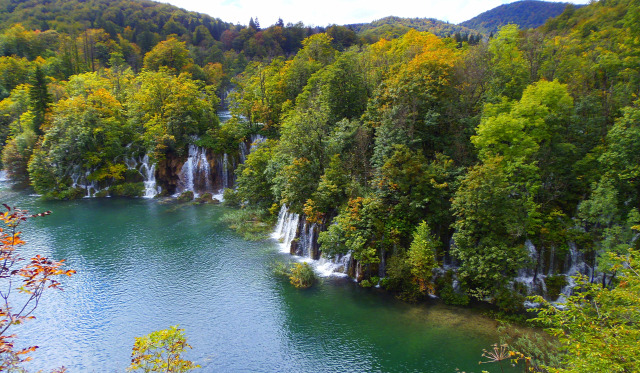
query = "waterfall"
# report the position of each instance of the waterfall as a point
(255, 141)
(528, 276)
(225, 171)
(82, 181)
(338, 266)
(148, 173)
(382, 268)
(286, 229)
(244, 150)
(552, 255)
(195, 175)
(306, 240)
(574, 266)
(289, 227)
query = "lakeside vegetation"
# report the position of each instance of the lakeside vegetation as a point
(419, 153)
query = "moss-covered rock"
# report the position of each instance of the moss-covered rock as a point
(186, 196)
(206, 198)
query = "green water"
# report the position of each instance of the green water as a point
(144, 265)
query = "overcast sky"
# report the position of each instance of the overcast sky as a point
(325, 12)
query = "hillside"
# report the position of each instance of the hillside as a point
(526, 14)
(147, 19)
(393, 27)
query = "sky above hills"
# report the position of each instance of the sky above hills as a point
(327, 12)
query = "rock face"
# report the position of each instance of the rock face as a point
(200, 172)
(168, 173)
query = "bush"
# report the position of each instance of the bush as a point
(451, 297)
(127, 190)
(366, 283)
(554, 285)
(161, 351)
(302, 275)
(509, 301)
(399, 279)
(448, 294)
(231, 198)
(281, 269)
(252, 224)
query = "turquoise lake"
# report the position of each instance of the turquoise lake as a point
(144, 265)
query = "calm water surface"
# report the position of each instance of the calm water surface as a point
(144, 265)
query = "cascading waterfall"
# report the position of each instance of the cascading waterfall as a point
(574, 266)
(338, 266)
(243, 150)
(255, 141)
(82, 181)
(225, 171)
(382, 267)
(148, 172)
(195, 175)
(226, 165)
(290, 227)
(286, 229)
(529, 277)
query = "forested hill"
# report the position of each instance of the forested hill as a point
(526, 14)
(142, 24)
(393, 27)
(147, 19)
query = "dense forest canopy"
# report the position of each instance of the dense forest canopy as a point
(498, 163)
(524, 13)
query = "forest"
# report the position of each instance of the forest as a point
(455, 166)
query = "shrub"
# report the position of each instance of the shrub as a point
(448, 294)
(451, 297)
(161, 351)
(231, 198)
(302, 275)
(555, 285)
(365, 283)
(509, 301)
(252, 224)
(127, 190)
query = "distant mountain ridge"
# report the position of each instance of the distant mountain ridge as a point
(526, 14)
(392, 27)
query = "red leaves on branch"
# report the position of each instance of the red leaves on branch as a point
(39, 273)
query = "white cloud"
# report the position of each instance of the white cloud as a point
(325, 12)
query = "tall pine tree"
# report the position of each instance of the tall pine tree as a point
(39, 100)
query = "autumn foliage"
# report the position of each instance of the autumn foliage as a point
(30, 277)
